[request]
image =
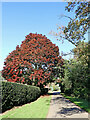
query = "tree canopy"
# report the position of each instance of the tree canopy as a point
(33, 62)
(81, 52)
(76, 72)
(77, 27)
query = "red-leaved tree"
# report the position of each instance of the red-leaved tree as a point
(33, 62)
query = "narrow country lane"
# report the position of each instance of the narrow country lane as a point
(61, 107)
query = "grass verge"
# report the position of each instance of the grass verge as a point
(36, 109)
(82, 103)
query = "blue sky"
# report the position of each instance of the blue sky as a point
(21, 18)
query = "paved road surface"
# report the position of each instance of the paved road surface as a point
(61, 107)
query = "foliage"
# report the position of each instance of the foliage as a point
(81, 52)
(33, 62)
(77, 27)
(76, 79)
(14, 94)
(32, 110)
(76, 72)
(44, 91)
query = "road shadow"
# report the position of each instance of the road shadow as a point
(70, 111)
(59, 100)
(67, 110)
(54, 93)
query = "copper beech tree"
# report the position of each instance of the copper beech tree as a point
(33, 62)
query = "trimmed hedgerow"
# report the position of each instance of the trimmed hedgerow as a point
(14, 94)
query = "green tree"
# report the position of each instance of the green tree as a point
(77, 27)
(76, 73)
(81, 52)
(76, 79)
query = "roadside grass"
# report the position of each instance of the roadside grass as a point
(36, 109)
(82, 103)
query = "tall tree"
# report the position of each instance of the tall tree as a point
(76, 72)
(76, 78)
(33, 62)
(77, 27)
(81, 52)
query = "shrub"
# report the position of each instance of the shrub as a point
(68, 91)
(14, 94)
(76, 79)
(44, 91)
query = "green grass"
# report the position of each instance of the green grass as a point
(36, 109)
(82, 103)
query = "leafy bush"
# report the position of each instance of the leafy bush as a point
(14, 94)
(76, 79)
(44, 91)
(68, 91)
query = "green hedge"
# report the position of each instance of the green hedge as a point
(14, 94)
